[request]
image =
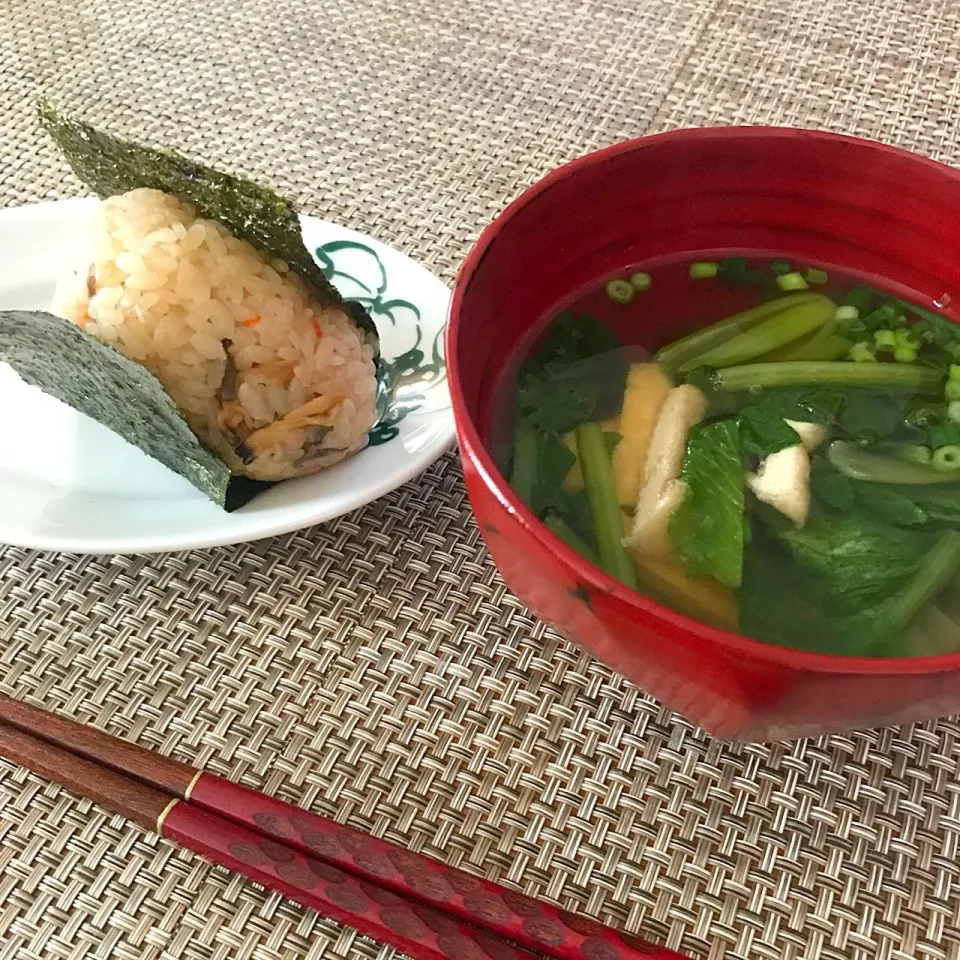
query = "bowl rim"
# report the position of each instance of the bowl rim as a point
(473, 448)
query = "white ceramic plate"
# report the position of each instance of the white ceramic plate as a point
(68, 483)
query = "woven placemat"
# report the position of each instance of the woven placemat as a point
(375, 668)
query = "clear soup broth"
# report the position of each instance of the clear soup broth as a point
(786, 466)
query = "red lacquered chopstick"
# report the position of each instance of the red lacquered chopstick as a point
(373, 863)
(417, 930)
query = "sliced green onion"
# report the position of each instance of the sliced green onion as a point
(885, 338)
(780, 267)
(703, 270)
(640, 281)
(620, 291)
(813, 275)
(734, 270)
(862, 352)
(904, 338)
(947, 458)
(791, 281)
(905, 354)
(953, 411)
(846, 313)
(954, 372)
(889, 376)
(951, 391)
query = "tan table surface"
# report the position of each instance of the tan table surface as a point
(375, 668)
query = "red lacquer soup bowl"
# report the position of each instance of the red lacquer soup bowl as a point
(885, 216)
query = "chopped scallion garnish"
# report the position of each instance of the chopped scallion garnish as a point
(780, 267)
(620, 291)
(946, 458)
(703, 270)
(791, 281)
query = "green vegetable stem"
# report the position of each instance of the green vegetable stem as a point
(560, 529)
(681, 352)
(887, 376)
(785, 326)
(817, 347)
(524, 472)
(935, 571)
(604, 507)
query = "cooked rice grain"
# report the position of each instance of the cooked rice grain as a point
(278, 384)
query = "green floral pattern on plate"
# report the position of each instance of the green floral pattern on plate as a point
(404, 380)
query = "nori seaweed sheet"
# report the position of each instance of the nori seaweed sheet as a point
(52, 354)
(110, 165)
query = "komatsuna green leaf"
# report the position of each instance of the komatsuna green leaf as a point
(830, 487)
(780, 603)
(835, 491)
(554, 407)
(941, 504)
(762, 434)
(554, 460)
(944, 434)
(806, 404)
(839, 591)
(888, 506)
(574, 508)
(571, 339)
(111, 165)
(783, 605)
(611, 438)
(707, 529)
(872, 415)
(854, 556)
(61, 360)
(580, 355)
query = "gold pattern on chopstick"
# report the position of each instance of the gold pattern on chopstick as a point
(192, 784)
(166, 811)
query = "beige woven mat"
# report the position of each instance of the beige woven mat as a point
(375, 668)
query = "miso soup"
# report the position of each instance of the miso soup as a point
(788, 468)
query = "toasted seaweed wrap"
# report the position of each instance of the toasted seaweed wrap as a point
(57, 357)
